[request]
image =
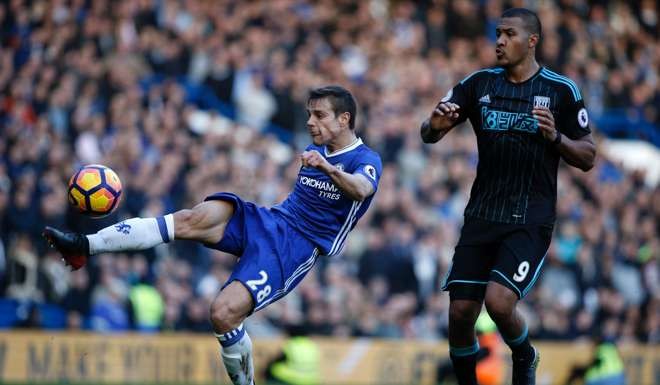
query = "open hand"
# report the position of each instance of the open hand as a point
(444, 115)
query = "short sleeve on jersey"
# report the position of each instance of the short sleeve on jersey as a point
(574, 121)
(464, 92)
(461, 95)
(573, 116)
(371, 167)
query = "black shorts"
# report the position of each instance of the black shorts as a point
(509, 254)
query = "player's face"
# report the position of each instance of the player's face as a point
(513, 42)
(322, 124)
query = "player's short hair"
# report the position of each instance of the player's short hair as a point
(529, 18)
(340, 99)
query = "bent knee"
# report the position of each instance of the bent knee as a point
(224, 317)
(500, 302)
(464, 312)
(499, 309)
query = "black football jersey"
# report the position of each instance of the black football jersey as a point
(516, 178)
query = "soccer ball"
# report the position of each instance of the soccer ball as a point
(94, 190)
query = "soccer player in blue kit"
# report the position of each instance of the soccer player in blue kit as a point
(276, 246)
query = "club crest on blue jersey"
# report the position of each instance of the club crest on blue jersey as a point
(371, 171)
(319, 209)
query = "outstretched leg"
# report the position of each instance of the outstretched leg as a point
(204, 223)
(228, 310)
(501, 305)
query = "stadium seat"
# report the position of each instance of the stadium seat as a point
(52, 316)
(8, 313)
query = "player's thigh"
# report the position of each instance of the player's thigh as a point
(273, 263)
(520, 258)
(205, 222)
(467, 277)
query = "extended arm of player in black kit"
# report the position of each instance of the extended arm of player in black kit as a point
(577, 147)
(461, 95)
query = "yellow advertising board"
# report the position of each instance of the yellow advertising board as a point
(194, 359)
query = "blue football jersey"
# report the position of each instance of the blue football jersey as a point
(319, 209)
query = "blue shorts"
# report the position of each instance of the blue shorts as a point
(273, 256)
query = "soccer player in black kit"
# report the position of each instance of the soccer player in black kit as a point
(525, 118)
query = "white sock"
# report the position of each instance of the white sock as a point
(236, 354)
(132, 234)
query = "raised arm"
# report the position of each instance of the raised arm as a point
(355, 186)
(452, 110)
(442, 119)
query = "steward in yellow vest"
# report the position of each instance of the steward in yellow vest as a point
(298, 365)
(606, 367)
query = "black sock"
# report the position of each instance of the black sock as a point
(465, 364)
(521, 348)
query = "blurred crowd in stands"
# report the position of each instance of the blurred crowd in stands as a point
(183, 98)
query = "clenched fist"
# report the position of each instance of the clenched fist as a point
(314, 159)
(546, 123)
